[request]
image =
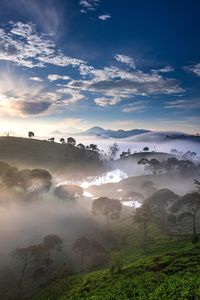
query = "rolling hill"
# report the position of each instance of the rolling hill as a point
(26, 152)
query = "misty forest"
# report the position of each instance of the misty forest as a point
(99, 150)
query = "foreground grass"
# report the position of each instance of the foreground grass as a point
(173, 275)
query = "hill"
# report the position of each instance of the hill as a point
(42, 153)
(170, 276)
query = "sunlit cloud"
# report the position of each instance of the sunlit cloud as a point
(36, 78)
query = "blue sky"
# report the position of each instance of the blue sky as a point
(117, 64)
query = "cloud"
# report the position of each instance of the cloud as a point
(55, 77)
(195, 69)
(31, 107)
(112, 85)
(70, 96)
(46, 13)
(137, 106)
(89, 5)
(165, 69)
(22, 44)
(126, 60)
(36, 79)
(19, 96)
(104, 17)
(183, 104)
(105, 101)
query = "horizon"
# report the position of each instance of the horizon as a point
(141, 72)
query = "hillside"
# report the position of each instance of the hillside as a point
(43, 153)
(170, 276)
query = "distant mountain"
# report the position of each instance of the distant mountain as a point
(67, 132)
(101, 132)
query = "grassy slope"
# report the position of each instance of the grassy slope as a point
(42, 153)
(179, 278)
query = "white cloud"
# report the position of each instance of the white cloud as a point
(112, 85)
(71, 96)
(36, 78)
(104, 17)
(137, 106)
(126, 60)
(195, 69)
(183, 104)
(89, 5)
(165, 69)
(105, 101)
(22, 44)
(55, 77)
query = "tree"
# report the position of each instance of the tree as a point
(88, 248)
(62, 140)
(31, 134)
(188, 206)
(109, 208)
(35, 182)
(51, 139)
(81, 146)
(160, 203)
(70, 192)
(51, 242)
(114, 149)
(71, 141)
(10, 178)
(146, 149)
(197, 183)
(27, 255)
(94, 147)
(143, 216)
(4, 167)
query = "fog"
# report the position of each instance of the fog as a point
(26, 221)
(137, 143)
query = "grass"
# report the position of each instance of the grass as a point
(169, 271)
(178, 278)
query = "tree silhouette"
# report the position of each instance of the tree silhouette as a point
(34, 182)
(87, 248)
(10, 178)
(71, 141)
(109, 208)
(145, 149)
(62, 140)
(143, 216)
(114, 149)
(94, 147)
(31, 134)
(68, 192)
(51, 139)
(51, 242)
(188, 206)
(27, 255)
(81, 146)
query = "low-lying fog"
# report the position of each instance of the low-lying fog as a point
(23, 223)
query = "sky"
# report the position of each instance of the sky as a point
(118, 64)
